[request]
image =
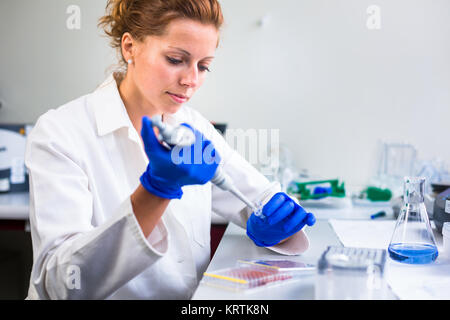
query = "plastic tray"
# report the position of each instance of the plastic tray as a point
(251, 274)
(294, 267)
(243, 278)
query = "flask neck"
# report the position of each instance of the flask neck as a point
(417, 207)
(414, 198)
(414, 190)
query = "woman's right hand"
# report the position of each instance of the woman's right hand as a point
(169, 170)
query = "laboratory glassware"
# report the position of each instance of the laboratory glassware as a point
(396, 160)
(413, 241)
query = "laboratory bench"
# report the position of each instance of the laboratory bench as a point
(235, 245)
(16, 251)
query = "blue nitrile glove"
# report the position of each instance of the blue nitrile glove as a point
(166, 172)
(283, 218)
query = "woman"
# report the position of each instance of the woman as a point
(111, 216)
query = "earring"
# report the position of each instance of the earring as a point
(130, 61)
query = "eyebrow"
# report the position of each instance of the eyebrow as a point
(188, 53)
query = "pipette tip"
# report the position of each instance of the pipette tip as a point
(257, 210)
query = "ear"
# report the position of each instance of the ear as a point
(128, 46)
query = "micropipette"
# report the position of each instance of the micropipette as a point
(223, 181)
(173, 136)
(182, 136)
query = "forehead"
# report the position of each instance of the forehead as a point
(195, 37)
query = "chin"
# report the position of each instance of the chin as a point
(172, 109)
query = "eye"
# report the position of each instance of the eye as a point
(173, 60)
(203, 68)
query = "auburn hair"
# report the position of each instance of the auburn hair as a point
(143, 18)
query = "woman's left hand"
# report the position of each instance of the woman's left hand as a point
(283, 217)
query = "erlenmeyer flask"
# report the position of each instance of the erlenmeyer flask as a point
(413, 241)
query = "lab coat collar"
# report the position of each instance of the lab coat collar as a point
(109, 110)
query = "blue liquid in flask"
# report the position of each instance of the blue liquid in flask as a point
(413, 253)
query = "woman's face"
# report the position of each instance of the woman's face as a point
(168, 69)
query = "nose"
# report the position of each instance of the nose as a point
(189, 77)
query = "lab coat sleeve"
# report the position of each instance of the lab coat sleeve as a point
(72, 258)
(256, 187)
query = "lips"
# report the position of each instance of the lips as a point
(179, 98)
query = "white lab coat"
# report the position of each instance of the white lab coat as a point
(84, 160)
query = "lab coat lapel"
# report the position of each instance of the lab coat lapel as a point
(116, 131)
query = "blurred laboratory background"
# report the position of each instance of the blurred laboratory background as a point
(359, 91)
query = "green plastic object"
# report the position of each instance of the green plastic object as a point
(305, 190)
(378, 194)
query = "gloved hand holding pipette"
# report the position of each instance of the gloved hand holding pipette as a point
(283, 218)
(171, 145)
(164, 177)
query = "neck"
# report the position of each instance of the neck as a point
(135, 104)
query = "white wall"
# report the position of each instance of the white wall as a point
(43, 64)
(333, 87)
